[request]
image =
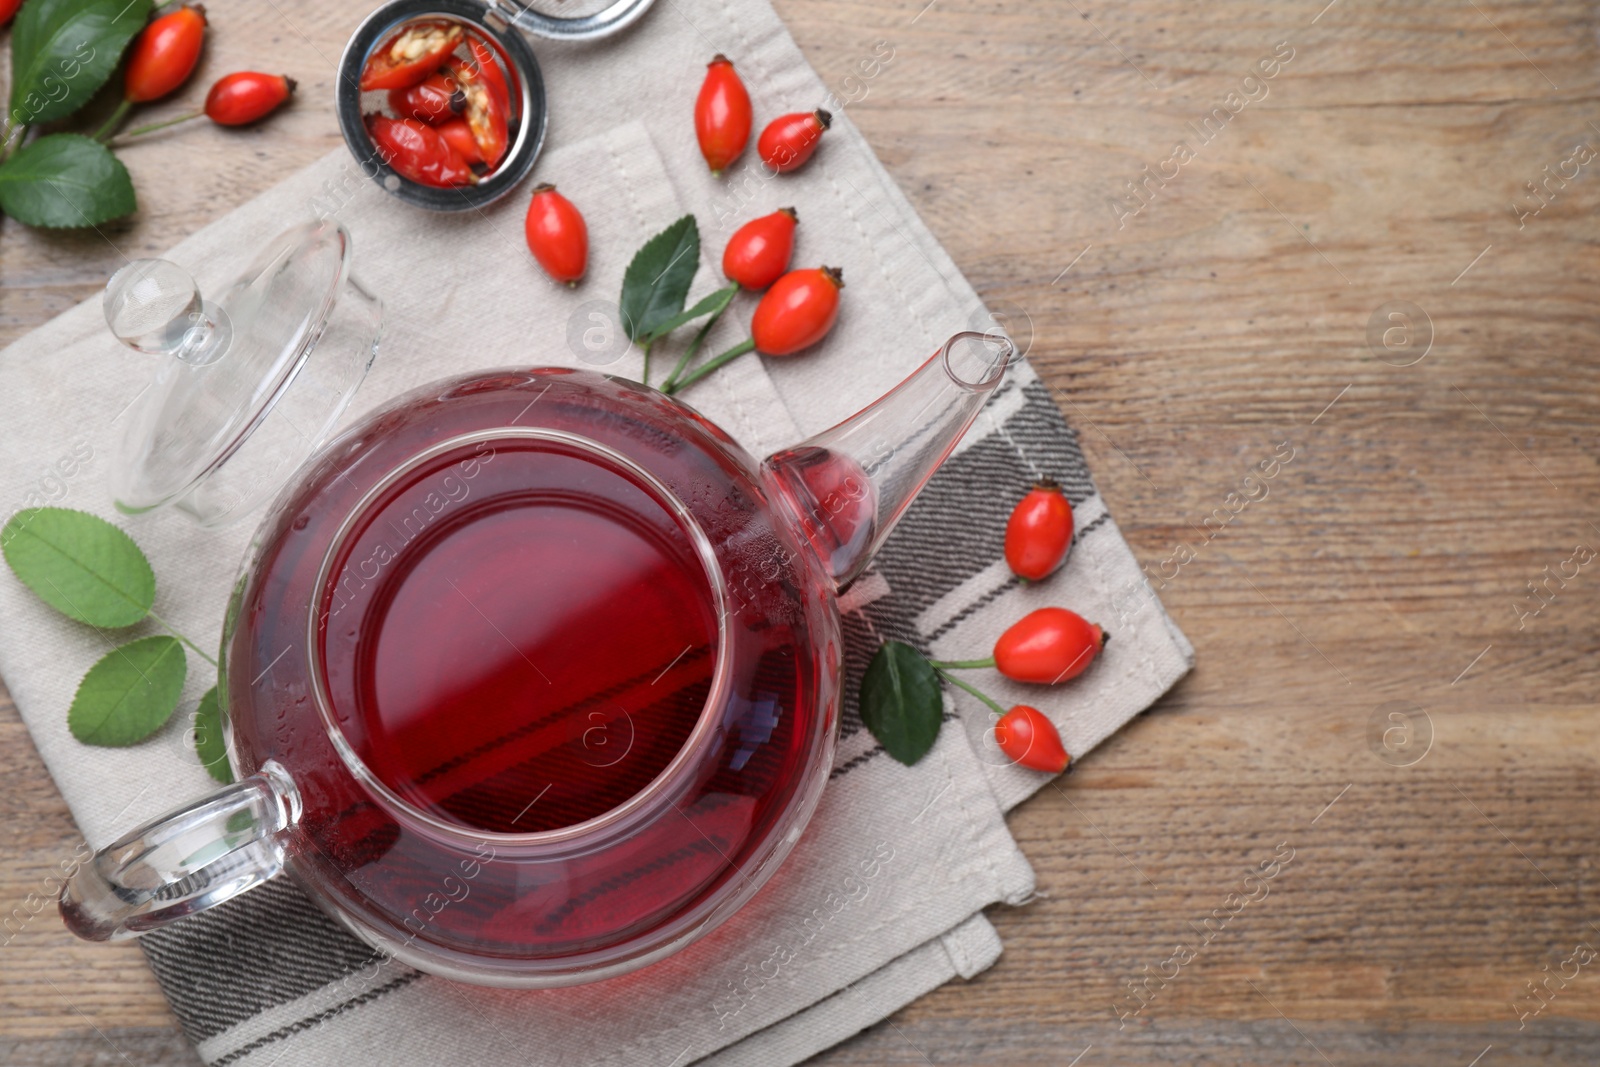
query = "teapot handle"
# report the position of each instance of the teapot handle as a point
(184, 862)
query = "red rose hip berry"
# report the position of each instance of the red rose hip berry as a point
(789, 140)
(417, 151)
(483, 110)
(165, 54)
(411, 54)
(722, 115)
(557, 235)
(458, 135)
(435, 99)
(1030, 740)
(1048, 646)
(797, 312)
(758, 252)
(1039, 532)
(242, 98)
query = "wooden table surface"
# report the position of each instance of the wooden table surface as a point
(1190, 332)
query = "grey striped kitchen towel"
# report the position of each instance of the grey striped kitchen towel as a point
(883, 899)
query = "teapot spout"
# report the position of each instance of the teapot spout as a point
(846, 487)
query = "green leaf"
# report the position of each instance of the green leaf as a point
(656, 283)
(209, 743)
(63, 180)
(901, 702)
(80, 564)
(708, 305)
(62, 51)
(130, 693)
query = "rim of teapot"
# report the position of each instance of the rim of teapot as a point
(640, 801)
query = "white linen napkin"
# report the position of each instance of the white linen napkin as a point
(882, 900)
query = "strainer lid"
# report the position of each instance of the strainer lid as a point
(602, 23)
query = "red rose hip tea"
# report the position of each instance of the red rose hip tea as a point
(533, 645)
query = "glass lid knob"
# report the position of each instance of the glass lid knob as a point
(154, 306)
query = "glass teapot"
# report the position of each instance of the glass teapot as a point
(531, 677)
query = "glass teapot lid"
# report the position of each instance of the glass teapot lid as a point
(250, 384)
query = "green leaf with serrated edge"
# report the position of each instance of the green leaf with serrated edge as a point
(209, 743)
(901, 701)
(656, 283)
(708, 305)
(62, 51)
(130, 693)
(80, 564)
(65, 180)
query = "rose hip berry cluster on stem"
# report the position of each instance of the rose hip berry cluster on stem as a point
(1044, 647)
(1047, 646)
(161, 60)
